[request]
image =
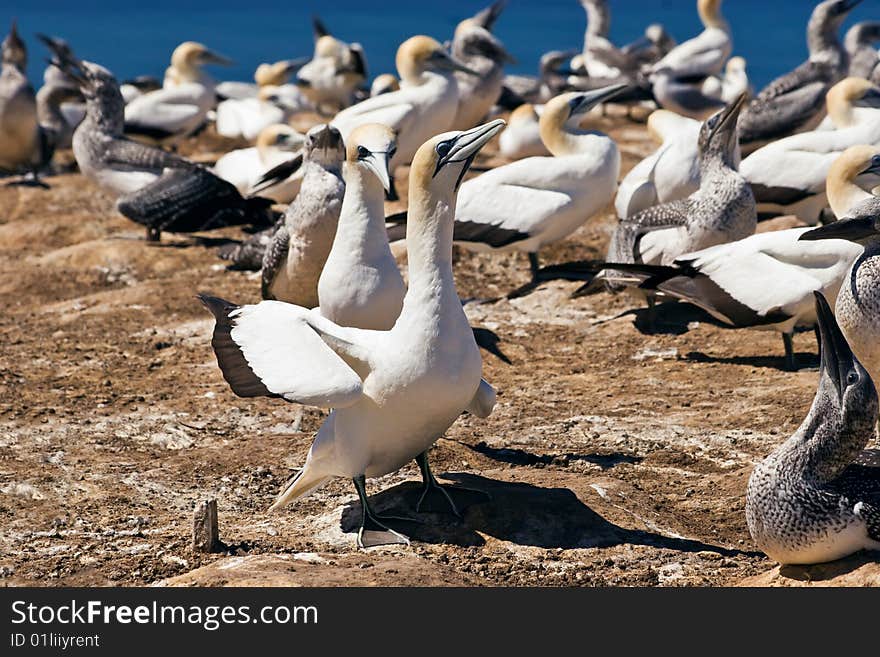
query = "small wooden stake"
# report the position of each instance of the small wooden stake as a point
(206, 536)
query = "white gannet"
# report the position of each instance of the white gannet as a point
(650, 48)
(137, 86)
(180, 107)
(336, 70)
(275, 74)
(684, 96)
(481, 51)
(383, 84)
(73, 110)
(732, 84)
(530, 203)
(56, 130)
(393, 393)
(360, 284)
(293, 261)
(425, 105)
(861, 46)
(670, 173)
(600, 57)
(857, 308)
(245, 167)
(553, 71)
(816, 498)
(155, 188)
(721, 210)
(788, 176)
(522, 136)
(795, 102)
(704, 54)
(20, 145)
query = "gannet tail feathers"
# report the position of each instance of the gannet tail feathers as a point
(278, 174)
(303, 484)
(578, 270)
(484, 400)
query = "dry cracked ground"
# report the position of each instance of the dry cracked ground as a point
(615, 455)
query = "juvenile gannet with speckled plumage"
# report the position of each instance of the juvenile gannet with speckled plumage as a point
(336, 70)
(795, 102)
(244, 167)
(157, 189)
(180, 107)
(816, 498)
(861, 45)
(293, 261)
(20, 146)
(522, 136)
(476, 47)
(670, 173)
(788, 176)
(393, 393)
(721, 210)
(858, 212)
(360, 284)
(530, 203)
(425, 105)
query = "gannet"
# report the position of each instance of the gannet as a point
(383, 84)
(20, 144)
(293, 261)
(361, 285)
(795, 102)
(137, 86)
(788, 176)
(246, 166)
(721, 210)
(481, 51)
(683, 96)
(600, 57)
(857, 309)
(393, 393)
(732, 84)
(670, 173)
(861, 46)
(816, 498)
(650, 48)
(530, 203)
(180, 107)
(704, 54)
(275, 74)
(522, 136)
(153, 187)
(57, 132)
(335, 71)
(425, 105)
(551, 81)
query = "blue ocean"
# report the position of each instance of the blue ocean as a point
(135, 40)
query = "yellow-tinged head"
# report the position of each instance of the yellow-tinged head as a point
(563, 114)
(856, 170)
(281, 137)
(276, 74)
(190, 55)
(371, 147)
(849, 94)
(422, 53)
(710, 13)
(525, 113)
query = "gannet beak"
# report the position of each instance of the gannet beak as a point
(467, 144)
(729, 115)
(874, 167)
(853, 229)
(293, 65)
(849, 5)
(837, 359)
(487, 17)
(444, 60)
(211, 57)
(588, 100)
(379, 163)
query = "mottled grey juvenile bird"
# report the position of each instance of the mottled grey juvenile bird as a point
(20, 145)
(816, 498)
(861, 46)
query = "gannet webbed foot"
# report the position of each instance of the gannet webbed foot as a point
(373, 531)
(436, 498)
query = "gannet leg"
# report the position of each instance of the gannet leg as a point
(789, 352)
(153, 234)
(534, 265)
(372, 531)
(438, 499)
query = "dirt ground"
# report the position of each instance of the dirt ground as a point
(615, 456)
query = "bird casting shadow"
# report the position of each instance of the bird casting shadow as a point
(522, 457)
(516, 512)
(804, 361)
(825, 571)
(670, 318)
(489, 340)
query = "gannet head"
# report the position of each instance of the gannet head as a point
(14, 49)
(735, 65)
(865, 33)
(473, 36)
(856, 170)
(384, 84)
(278, 73)
(323, 145)
(522, 115)
(848, 95)
(441, 163)
(718, 134)
(564, 113)
(421, 53)
(370, 147)
(188, 58)
(824, 25)
(486, 18)
(279, 136)
(710, 14)
(95, 82)
(598, 17)
(657, 34)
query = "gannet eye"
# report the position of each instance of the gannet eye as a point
(392, 151)
(363, 152)
(852, 378)
(443, 148)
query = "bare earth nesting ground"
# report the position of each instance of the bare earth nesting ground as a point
(615, 456)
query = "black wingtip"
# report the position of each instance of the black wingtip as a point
(220, 308)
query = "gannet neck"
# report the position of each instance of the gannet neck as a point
(822, 33)
(361, 228)
(561, 135)
(598, 18)
(710, 15)
(841, 98)
(105, 112)
(429, 242)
